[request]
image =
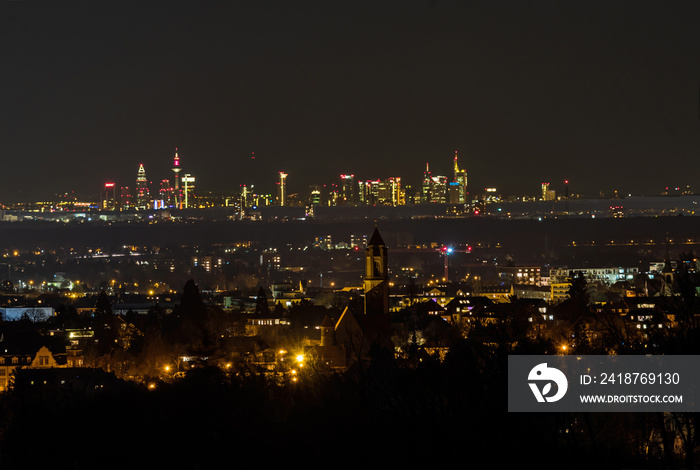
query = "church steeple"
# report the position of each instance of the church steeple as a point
(376, 280)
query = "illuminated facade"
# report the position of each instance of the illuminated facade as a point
(460, 187)
(438, 189)
(125, 199)
(608, 275)
(434, 189)
(109, 197)
(426, 186)
(142, 194)
(386, 192)
(187, 190)
(166, 194)
(315, 195)
(282, 189)
(177, 195)
(348, 190)
(548, 194)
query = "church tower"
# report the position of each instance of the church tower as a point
(376, 280)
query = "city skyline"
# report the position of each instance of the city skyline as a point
(604, 95)
(345, 189)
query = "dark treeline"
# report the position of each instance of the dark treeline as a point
(454, 411)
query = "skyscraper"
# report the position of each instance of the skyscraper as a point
(176, 170)
(188, 187)
(142, 194)
(460, 177)
(438, 189)
(548, 194)
(109, 197)
(283, 189)
(348, 190)
(425, 188)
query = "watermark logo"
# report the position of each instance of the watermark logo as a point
(547, 375)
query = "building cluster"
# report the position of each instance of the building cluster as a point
(175, 193)
(435, 189)
(178, 192)
(338, 325)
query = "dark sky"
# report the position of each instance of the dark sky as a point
(604, 93)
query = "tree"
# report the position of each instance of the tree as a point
(578, 292)
(190, 317)
(191, 302)
(261, 305)
(103, 306)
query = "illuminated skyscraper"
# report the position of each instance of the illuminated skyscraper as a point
(425, 188)
(125, 198)
(188, 188)
(438, 189)
(348, 190)
(386, 192)
(282, 189)
(315, 195)
(548, 194)
(109, 197)
(142, 194)
(176, 170)
(461, 180)
(166, 194)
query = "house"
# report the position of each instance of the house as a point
(21, 350)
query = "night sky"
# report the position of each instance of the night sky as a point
(604, 93)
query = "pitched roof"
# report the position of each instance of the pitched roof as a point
(376, 238)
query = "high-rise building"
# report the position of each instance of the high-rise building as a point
(125, 198)
(454, 193)
(166, 194)
(177, 193)
(438, 189)
(188, 188)
(398, 194)
(142, 194)
(426, 186)
(386, 192)
(348, 190)
(548, 194)
(460, 177)
(282, 189)
(315, 195)
(109, 197)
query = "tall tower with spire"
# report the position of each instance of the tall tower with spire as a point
(142, 194)
(176, 170)
(460, 177)
(425, 196)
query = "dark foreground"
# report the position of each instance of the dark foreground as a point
(411, 417)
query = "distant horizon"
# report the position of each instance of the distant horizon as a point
(603, 94)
